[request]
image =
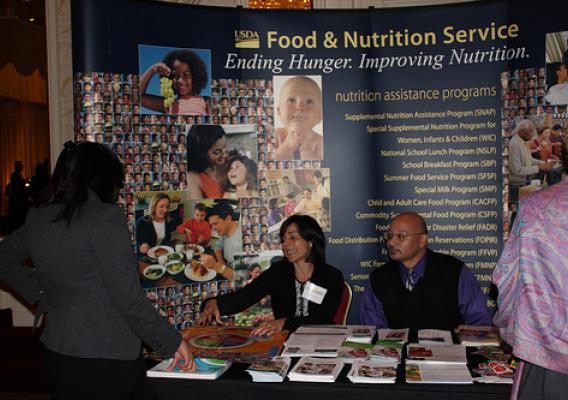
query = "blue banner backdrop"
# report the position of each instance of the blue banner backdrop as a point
(412, 105)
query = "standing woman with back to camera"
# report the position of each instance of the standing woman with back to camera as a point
(86, 280)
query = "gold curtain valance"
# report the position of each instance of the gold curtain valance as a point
(27, 35)
(24, 88)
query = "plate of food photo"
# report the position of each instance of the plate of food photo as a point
(174, 267)
(174, 257)
(197, 272)
(154, 272)
(158, 251)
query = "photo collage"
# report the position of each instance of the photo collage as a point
(212, 168)
(534, 120)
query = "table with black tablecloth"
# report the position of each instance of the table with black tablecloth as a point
(236, 384)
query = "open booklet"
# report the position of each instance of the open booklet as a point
(207, 368)
(273, 370)
(309, 369)
(371, 372)
(381, 351)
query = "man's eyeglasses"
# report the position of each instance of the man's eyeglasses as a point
(400, 236)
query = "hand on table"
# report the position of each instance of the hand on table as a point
(183, 354)
(269, 328)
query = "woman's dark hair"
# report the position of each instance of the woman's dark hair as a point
(200, 139)
(309, 230)
(250, 166)
(86, 166)
(59, 171)
(196, 67)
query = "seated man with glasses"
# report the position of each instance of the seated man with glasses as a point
(419, 288)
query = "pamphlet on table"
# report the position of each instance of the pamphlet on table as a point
(469, 335)
(386, 351)
(309, 369)
(273, 370)
(371, 372)
(207, 368)
(314, 342)
(426, 336)
(395, 335)
(438, 373)
(417, 353)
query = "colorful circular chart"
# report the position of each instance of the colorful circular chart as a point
(221, 341)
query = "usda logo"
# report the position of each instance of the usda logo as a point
(246, 39)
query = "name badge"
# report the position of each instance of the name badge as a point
(314, 293)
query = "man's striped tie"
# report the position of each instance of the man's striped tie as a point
(410, 280)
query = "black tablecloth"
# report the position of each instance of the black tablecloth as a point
(237, 384)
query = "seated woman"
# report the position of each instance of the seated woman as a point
(156, 228)
(304, 267)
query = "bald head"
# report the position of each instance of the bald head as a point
(413, 219)
(408, 241)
